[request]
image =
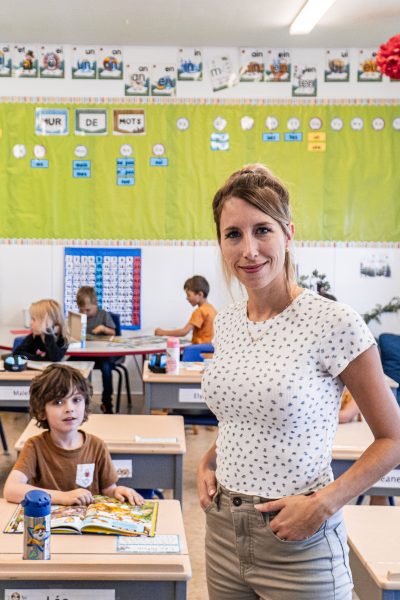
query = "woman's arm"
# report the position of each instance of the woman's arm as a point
(300, 516)
(16, 487)
(206, 480)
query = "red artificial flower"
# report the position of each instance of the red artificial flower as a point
(388, 57)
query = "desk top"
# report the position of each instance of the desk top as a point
(85, 367)
(94, 557)
(373, 534)
(351, 440)
(127, 344)
(191, 373)
(119, 433)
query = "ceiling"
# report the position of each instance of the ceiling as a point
(255, 23)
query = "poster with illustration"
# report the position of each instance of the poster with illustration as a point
(376, 264)
(251, 64)
(190, 64)
(137, 79)
(367, 68)
(337, 65)
(163, 80)
(304, 80)
(110, 63)
(222, 73)
(5, 60)
(25, 61)
(84, 62)
(52, 62)
(278, 66)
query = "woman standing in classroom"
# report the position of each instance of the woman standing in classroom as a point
(275, 529)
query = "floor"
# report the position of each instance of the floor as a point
(197, 444)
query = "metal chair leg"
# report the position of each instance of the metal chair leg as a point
(3, 437)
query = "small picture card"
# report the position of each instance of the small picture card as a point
(84, 62)
(137, 80)
(163, 80)
(337, 65)
(110, 63)
(251, 64)
(159, 544)
(190, 64)
(58, 594)
(367, 67)
(51, 121)
(90, 121)
(222, 73)
(278, 66)
(123, 468)
(304, 80)
(25, 61)
(52, 62)
(5, 60)
(129, 121)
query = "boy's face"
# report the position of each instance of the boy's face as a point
(67, 414)
(88, 308)
(194, 298)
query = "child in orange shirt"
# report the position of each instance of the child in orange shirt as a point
(201, 323)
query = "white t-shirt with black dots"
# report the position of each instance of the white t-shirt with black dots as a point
(275, 390)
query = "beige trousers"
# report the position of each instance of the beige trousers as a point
(246, 561)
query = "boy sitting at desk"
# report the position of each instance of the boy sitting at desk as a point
(201, 323)
(64, 461)
(99, 322)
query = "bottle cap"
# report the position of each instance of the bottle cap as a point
(173, 342)
(36, 503)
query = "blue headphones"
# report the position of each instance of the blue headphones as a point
(14, 362)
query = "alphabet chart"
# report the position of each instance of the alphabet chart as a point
(114, 273)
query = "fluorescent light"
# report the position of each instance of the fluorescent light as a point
(309, 16)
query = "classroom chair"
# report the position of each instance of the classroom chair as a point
(3, 438)
(194, 353)
(17, 342)
(389, 346)
(120, 368)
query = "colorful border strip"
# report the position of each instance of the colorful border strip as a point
(202, 101)
(179, 243)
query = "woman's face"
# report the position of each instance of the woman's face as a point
(253, 244)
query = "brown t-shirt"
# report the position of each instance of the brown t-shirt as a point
(51, 467)
(202, 320)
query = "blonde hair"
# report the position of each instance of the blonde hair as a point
(258, 186)
(48, 313)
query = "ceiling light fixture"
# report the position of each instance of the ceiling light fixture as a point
(308, 17)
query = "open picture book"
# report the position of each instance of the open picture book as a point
(104, 515)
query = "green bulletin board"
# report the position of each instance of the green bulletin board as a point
(345, 183)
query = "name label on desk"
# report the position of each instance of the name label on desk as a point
(57, 594)
(123, 468)
(391, 480)
(14, 392)
(190, 395)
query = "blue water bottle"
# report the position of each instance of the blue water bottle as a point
(37, 508)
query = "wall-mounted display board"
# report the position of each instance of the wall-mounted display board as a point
(149, 170)
(113, 273)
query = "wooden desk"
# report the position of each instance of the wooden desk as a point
(350, 441)
(153, 463)
(373, 536)
(91, 562)
(14, 387)
(162, 390)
